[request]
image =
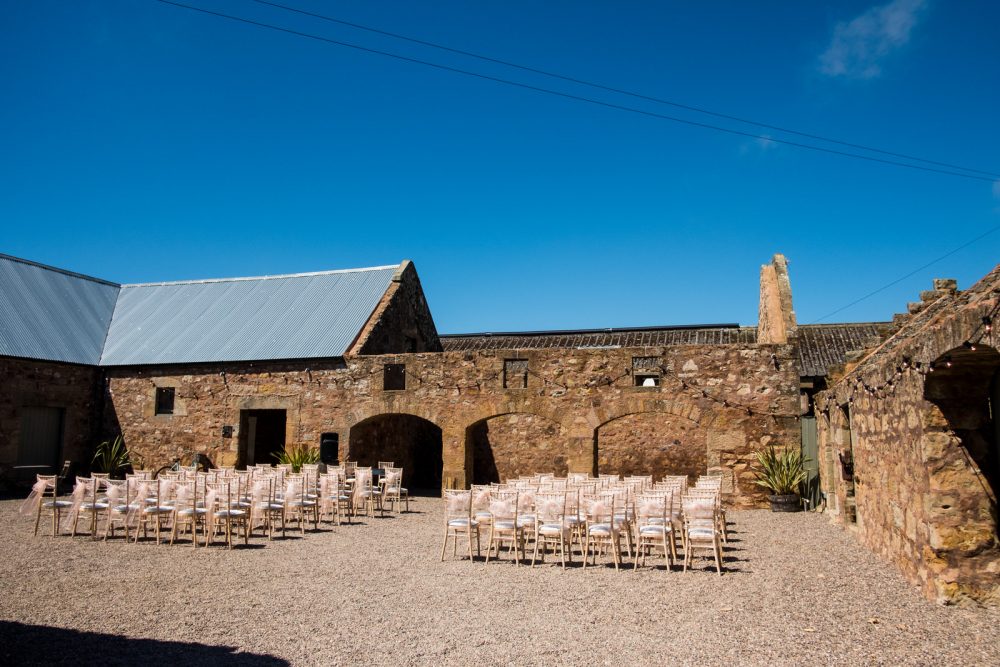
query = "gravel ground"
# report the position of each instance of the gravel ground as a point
(797, 590)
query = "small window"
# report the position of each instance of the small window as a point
(411, 344)
(646, 371)
(515, 373)
(394, 377)
(164, 400)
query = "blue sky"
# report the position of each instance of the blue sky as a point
(146, 142)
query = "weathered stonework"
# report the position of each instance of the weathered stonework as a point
(575, 400)
(924, 447)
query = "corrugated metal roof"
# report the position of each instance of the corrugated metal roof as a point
(47, 313)
(301, 316)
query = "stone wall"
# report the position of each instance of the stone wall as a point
(736, 398)
(402, 320)
(28, 383)
(776, 319)
(924, 446)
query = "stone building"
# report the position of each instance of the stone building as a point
(238, 369)
(908, 441)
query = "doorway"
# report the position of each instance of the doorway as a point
(41, 437)
(262, 436)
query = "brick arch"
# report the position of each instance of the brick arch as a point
(506, 444)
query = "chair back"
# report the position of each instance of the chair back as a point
(550, 507)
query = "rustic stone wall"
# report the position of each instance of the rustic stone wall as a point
(28, 383)
(402, 321)
(923, 442)
(776, 318)
(636, 444)
(581, 390)
(508, 446)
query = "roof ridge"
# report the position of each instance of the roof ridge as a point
(56, 269)
(268, 277)
(605, 330)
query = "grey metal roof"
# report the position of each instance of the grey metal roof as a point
(301, 316)
(51, 314)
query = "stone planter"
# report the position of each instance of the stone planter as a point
(785, 503)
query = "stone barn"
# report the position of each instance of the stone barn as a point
(238, 369)
(909, 443)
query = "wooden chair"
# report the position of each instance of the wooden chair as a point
(458, 521)
(701, 529)
(602, 532)
(393, 490)
(506, 528)
(552, 527)
(654, 528)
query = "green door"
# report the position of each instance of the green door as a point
(810, 452)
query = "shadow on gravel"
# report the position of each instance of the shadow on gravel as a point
(22, 644)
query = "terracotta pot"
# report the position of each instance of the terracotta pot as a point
(785, 503)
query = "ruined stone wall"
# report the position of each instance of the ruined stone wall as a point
(578, 390)
(923, 500)
(28, 383)
(776, 319)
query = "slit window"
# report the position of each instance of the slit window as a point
(646, 371)
(515, 373)
(394, 377)
(165, 400)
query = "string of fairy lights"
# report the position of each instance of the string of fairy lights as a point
(320, 381)
(859, 385)
(907, 365)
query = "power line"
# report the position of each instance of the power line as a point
(621, 91)
(570, 96)
(911, 273)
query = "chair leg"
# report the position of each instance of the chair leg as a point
(444, 545)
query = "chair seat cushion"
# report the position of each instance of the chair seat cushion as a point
(504, 524)
(553, 529)
(188, 511)
(601, 529)
(462, 523)
(93, 506)
(701, 533)
(49, 504)
(654, 530)
(230, 513)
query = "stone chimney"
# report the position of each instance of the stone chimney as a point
(776, 322)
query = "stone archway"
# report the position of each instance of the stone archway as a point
(656, 443)
(965, 390)
(412, 443)
(507, 445)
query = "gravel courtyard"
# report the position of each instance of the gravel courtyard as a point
(797, 590)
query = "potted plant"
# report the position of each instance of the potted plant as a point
(112, 457)
(297, 456)
(781, 473)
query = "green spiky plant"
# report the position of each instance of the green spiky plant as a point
(780, 472)
(112, 457)
(298, 456)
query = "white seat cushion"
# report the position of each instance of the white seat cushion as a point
(462, 523)
(230, 513)
(49, 504)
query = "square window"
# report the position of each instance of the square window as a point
(646, 371)
(165, 400)
(394, 377)
(515, 373)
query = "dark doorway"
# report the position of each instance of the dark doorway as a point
(412, 443)
(965, 386)
(41, 437)
(262, 435)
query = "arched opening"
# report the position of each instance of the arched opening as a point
(652, 443)
(965, 386)
(411, 442)
(518, 443)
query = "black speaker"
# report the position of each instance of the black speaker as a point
(329, 448)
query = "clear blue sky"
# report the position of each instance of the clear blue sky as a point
(144, 142)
